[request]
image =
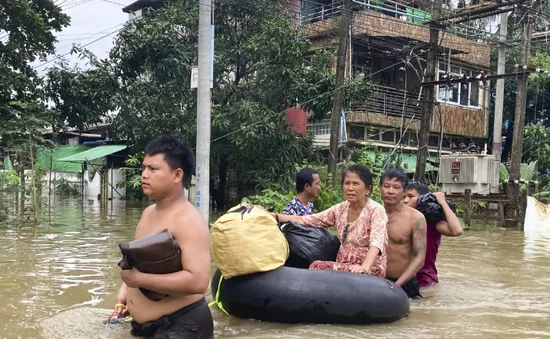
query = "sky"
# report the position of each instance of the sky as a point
(90, 20)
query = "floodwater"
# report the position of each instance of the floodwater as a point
(59, 281)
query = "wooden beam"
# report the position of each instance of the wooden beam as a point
(480, 16)
(540, 36)
(491, 198)
(483, 78)
(467, 206)
(477, 11)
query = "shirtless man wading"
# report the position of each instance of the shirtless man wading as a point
(406, 233)
(184, 313)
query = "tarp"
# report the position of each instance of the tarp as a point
(537, 218)
(94, 153)
(536, 230)
(59, 152)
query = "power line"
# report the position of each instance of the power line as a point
(76, 4)
(87, 44)
(113, 2)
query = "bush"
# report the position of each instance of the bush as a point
(9, 179)
(132, 173)
(65, 188)
(272, 200)
(275, 197)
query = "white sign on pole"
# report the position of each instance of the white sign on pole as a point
(194, 77)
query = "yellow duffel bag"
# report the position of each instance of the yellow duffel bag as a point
(247, 240)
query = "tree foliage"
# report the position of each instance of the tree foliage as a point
(152, 60)
(26, 35)
(536, 146)
(81, 97)
(259, 73)
(538, 95)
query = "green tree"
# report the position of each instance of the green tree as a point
(538, 95)
(81, 97)
(536, 146)
(24, 134)
(26, 35)
(258, 74)
(152, 61)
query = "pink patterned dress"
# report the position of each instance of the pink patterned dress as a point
(356, 239)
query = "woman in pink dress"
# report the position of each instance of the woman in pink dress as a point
(360, 223)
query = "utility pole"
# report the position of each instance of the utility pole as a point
(204, 106)
(519, 116)
(429, 97)
(499, 104)
(338, 101)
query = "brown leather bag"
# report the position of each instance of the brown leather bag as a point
(157, 253)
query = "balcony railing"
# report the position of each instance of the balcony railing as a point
(390, 101)
(397, 9)
(320, 11)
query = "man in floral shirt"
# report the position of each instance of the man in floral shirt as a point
(307, 188)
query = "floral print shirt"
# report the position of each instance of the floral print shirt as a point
(356, 237)
(295, 207)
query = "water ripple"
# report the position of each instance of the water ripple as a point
(59, 281)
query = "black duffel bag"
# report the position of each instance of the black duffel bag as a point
(433, 212)
(308, 244)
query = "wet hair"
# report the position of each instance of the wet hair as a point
(175, 152)
(395, 173)
(418, 186)
(362, 171)
(303, 177)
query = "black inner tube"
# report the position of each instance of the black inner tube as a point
(293, 295)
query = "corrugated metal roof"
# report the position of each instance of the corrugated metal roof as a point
(94, 153)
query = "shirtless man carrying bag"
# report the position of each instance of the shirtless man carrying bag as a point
(181, 310)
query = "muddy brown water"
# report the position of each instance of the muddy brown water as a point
(59, 281)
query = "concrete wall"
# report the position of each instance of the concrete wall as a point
(91, 187)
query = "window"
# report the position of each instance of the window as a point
(463, 94)
(433, 141)
(319, 129)
(373, 134)
(357, 132)
(388, 136)
(405, 139)
(414, 139)
(446, 143)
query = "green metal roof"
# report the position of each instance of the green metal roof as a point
(59, 152)
(94, 153)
